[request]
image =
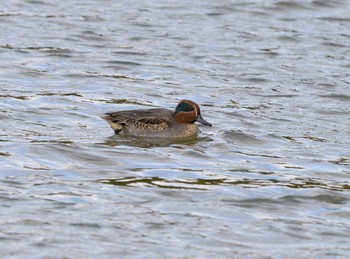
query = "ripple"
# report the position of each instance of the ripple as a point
(123, 63)
(341, 97)
(325, 4)
(289, 5)
(240, 137)
(209, 184)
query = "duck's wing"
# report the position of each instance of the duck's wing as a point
(142, 120)
(153, 120)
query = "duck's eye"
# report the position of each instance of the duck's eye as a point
(184, 107)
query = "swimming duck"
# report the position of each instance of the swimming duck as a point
(159, 122)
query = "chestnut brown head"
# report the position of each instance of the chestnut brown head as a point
(189, 112)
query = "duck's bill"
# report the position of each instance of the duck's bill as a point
(203, 121)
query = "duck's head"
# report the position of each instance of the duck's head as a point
(188, 112)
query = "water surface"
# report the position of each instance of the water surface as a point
(269, 179)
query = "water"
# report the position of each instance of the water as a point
(270, 179)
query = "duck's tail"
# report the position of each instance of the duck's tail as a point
(114, 125)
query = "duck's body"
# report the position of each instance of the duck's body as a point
(158, 123)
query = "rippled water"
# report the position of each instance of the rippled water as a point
(271, 178)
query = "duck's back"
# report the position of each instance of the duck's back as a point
(135, 115)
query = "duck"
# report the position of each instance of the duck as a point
(158, 122)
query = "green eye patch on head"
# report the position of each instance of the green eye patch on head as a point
(184, 107)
